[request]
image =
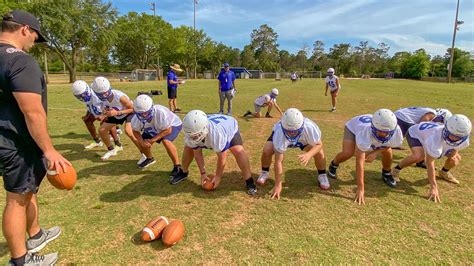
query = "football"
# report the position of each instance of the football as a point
(173, 233)
(207, 184)
(154, 228)
(63, 180)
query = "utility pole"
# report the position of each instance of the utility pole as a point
(195, 40)
(46, 74)
(153, 7)
(451, 60)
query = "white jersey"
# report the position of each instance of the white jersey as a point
(116, 104)
(94, 105)
(311, 135)
(331, 81)
(264, 100)
(431, 137)
(293, 76)
(222, 129)
(162, 119)
(360, 126)
(413, 115)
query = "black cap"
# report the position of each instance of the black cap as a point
(25, 18)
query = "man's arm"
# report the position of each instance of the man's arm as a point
(278, 175)
(35, 117)
(161, 135)
(430, 169)
(360, 159)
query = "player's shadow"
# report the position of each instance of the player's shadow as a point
(4, 249)
(303, 184)
(74, 152)
(71, 135)
(109, 168)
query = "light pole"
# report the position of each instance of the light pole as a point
(195, 40)
(153, 7)
(456, 23)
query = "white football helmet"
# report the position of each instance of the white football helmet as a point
(81, 91)
(101, 87)
(458, 126)
(274, 93)
(330, 71)
(292, 124)
(195, 126)
(442, 115)
(143, 107)
(383, 121)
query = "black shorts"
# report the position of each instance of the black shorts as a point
(236, 140)
(413, 142)
(114, 120)
(23, 168)
(404, 126)
(172, 93)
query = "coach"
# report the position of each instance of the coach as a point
(172, 83)
(226, 88)
(25, 145)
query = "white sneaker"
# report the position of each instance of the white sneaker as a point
(142, 159)
(119, 131)
(262, 178)
(111, 153)
(323, 181)
(94, 145)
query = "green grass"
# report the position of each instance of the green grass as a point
(102, 217)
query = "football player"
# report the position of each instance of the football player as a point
(332, 82)
(433, 141)
(219, 133)
(118, 110)
(269, 100)
(293, 131)
(407, 117)
(82, 92)
(155, 123)
(365, 136)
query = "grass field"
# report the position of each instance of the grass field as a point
(102, 217)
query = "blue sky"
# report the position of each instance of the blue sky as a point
(405, 25)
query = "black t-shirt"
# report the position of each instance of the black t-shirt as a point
(19, 72)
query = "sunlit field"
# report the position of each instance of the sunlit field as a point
(103, 215)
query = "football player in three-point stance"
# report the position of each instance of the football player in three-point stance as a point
(118, 110)
(407, 117)
(365, 136)
(155, 123)
(293, 131)
(433, 141)
(269, 100)
(332, 82)
(84, 93)
(219, 133)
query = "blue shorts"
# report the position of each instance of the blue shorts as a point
(404, 126)
(170, 137)
(413, 142)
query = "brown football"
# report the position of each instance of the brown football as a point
(173, 233)
(207, 184)
(154, 228)
(63, 180)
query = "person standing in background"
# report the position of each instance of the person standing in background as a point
(173, 81)
(226, 88)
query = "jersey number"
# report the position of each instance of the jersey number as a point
(217, 118)
(427, 126)
(365, 119)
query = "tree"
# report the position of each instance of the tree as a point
(438, 67)
(395, 63)
(341, 55)
(265, 47)
(248, 57)
(73, 26)
(416, 65)
(462, 64)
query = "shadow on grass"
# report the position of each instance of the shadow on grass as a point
(156, 244)
(74, 152)
(315, 111)
(4, 249)
(113, 168)
(72, 135)
(156, 184)
(302, 184)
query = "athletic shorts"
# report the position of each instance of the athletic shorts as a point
(172, 93)
(413, 142)
(257, 107)
(114, 120)
(170, 137)
(404, 126)
(348, 135)
(23, 168)
(301, 147)
(236, 140)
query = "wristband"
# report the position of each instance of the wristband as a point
(203, 173)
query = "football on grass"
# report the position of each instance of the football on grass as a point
(63, 180)
(173, 233)
(154, 228)
(208, 184)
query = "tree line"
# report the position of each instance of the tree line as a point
(91, 36)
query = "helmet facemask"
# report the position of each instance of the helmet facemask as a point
(197, 138)
(451, 139)
(381, 136)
